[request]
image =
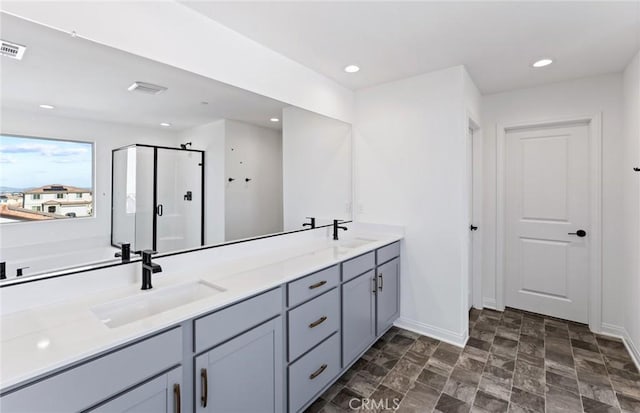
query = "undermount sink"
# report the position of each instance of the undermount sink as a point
(355, 242)
(146, 304)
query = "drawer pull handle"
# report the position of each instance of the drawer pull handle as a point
(318, 372)
(317, 285)
(318, 321)
(176, 397)
(381, 286)
(204, 381)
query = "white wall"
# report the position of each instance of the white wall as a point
(252, 208)
(239, 209)
(589, 96)
(171, 33)
(106, 136)
(316, 168)
(410, 170)
(631, 200)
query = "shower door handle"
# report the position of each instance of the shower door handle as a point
(159, 210)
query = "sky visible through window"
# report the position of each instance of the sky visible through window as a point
(34, 162)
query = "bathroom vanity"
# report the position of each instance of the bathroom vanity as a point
(268, 339)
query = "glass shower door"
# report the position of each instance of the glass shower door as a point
(132, 197)
(179, 214)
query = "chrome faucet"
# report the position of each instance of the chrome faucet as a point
(148, 268)
(336, 227)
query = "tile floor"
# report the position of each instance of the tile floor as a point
(513, 362)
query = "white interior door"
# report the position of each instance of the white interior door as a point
(471, 223)
(547, 199)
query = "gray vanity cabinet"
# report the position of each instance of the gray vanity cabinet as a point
(388, 294)
(244, 374)
(160, 395)
(123, 376)
(358, 316)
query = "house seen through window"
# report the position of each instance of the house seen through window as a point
(44, 179)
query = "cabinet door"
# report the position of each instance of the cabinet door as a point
(358, 316)
(243, 375)
(160, 395)
(388, 299)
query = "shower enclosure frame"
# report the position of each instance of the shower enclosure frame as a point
(155, 188)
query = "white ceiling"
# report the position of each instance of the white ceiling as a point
(86, 80)
(496, 41)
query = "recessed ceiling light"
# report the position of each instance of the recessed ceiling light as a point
(542, 63)
(274, 120)
(351, 69)
(47, 107)
(165, 124)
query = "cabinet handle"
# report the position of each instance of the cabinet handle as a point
(375, 285)
(176, 397)
(318, 321)
(317, 372)
(204, 381)
(317, 285)
(381, 286)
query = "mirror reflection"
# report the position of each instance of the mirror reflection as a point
(171, 160)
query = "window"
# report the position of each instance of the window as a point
(32, 170)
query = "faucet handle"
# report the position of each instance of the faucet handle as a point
(148, 252)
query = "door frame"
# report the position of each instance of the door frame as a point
(473, 242)
(594, 124)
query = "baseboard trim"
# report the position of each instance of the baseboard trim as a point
(621, 333)
(438, 333)
(489, 303)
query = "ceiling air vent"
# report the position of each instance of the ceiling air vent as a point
(148, 88)
(12, 50)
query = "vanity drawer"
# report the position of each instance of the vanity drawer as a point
(387, 253)
(312, 285)
(231, 321)
(92, 382)
(358, 265)
(312, 322)
(309, 375)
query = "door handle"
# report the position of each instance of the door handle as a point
(318, 372)
(318, 322)
(473, 227)
(381, 286)
(317, 285)
(176, 396)
(204, 382)
(159, 210)
(581, 233)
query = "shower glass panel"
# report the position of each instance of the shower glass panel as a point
(179, 197)
(157, 201)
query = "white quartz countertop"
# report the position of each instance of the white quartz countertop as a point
(41, 339)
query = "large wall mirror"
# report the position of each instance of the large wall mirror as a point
(100, 148)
